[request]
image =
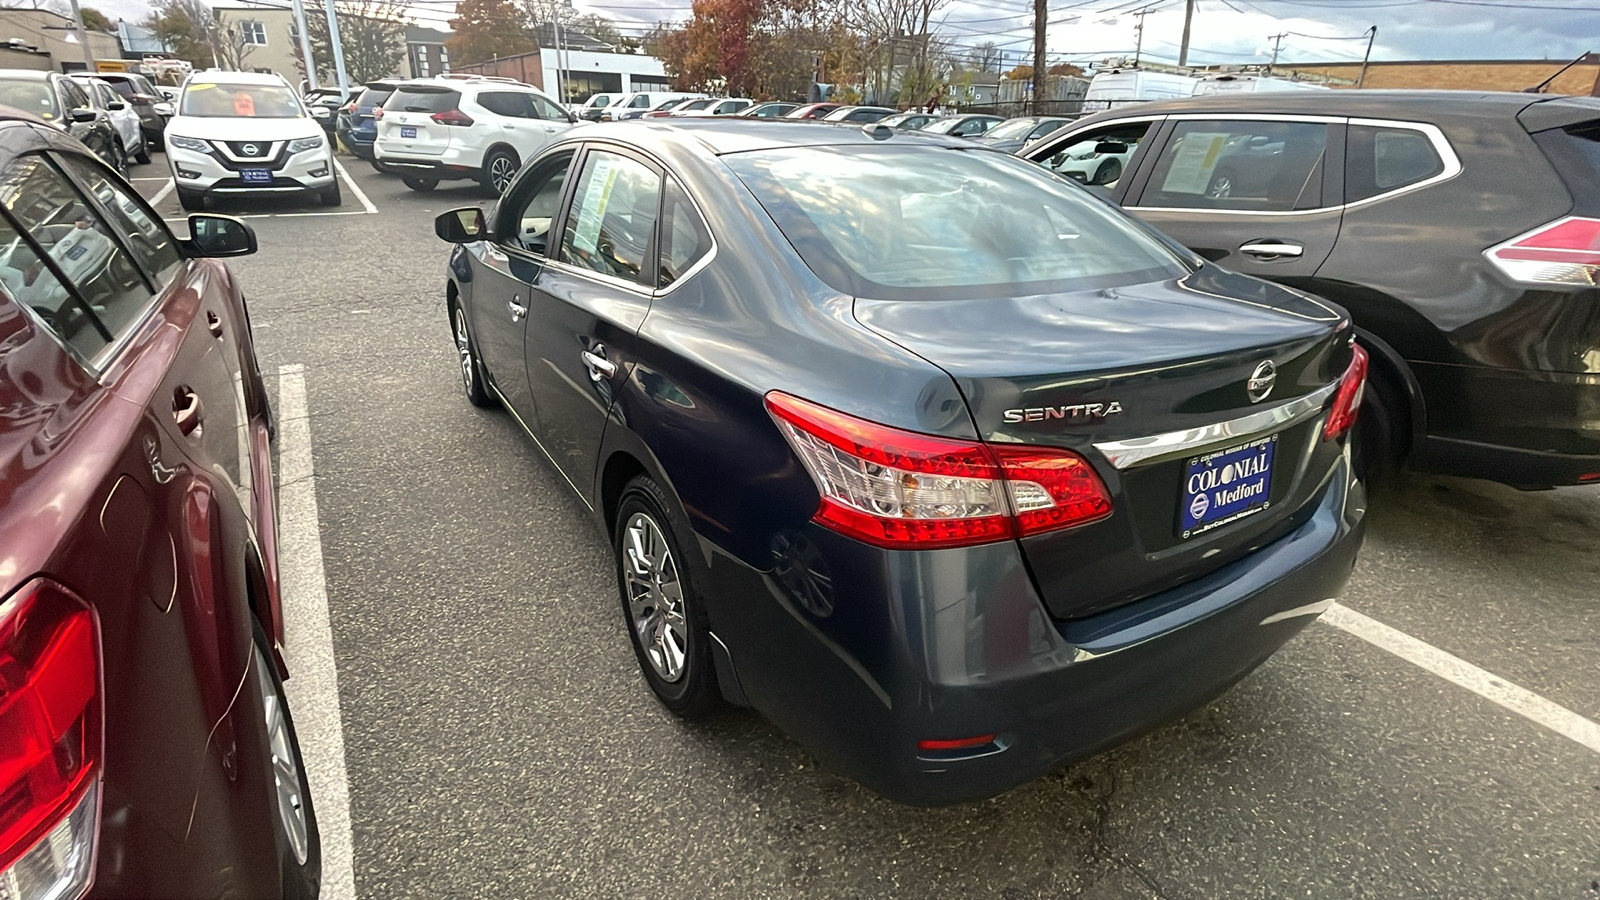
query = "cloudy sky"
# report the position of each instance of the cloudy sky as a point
(1225, 31)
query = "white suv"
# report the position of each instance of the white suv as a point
(246, 133)
(464, 127)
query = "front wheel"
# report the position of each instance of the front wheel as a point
(499, 167)
(663, 613)
(422, 185)
(192, 201)
(471, 368)
(300, 843)
(329, 196)
(143, 156)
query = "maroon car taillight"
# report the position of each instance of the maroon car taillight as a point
(51, 719)
(904, 490)
(1566, 251)
(1347, 400)
(452, 117)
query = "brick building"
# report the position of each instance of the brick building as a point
(1467, 74)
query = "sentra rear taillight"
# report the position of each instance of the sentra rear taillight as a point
(452, 117)
(900, 489)
(1347, 400)
(1564, 252)
(51, 716)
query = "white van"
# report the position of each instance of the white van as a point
(1251, 84)
(634, 105)
(1118, 87)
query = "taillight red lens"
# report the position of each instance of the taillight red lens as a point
(900, 489)
(452, 117)
(1347, 400)
(51, 716)
(377, 112)
(1564, 252)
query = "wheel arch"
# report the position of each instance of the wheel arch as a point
(1396, 373)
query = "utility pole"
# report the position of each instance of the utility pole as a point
(338, 49)
(305, 45)
(83, 38)
(1372, 35)
(1041, 16)
(1138, 34)
(1277, 45)
(1183, 46)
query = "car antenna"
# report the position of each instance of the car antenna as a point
(1539, 88)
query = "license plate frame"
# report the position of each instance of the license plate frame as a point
(1224, 486)
(255, 176)
(408, 132)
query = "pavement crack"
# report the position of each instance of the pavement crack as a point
(1100, 854)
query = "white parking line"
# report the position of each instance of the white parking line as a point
(313, 686)
(150, 178)
(1458, 671)
(354, 188)
(162, 194)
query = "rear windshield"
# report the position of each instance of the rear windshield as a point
(910, 222)
(249, 101)
(1013, 129)
(372, 97)
(423, 98)
(30, 97)
(121, 86)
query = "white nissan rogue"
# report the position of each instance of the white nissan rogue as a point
(464, 127)
(247, 133)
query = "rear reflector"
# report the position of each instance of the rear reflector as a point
(1589, 476)
(900, 489)
(1346, 403)
(1566, 251)
(51, 715)
(981, 740)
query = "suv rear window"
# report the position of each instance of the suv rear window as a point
(373, 97)
(423, 98)
(30, 96)
(912, 222)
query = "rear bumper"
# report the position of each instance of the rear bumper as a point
(424, 168)
(965, 648)
(455, 162)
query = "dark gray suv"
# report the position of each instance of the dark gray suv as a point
(1460, 229)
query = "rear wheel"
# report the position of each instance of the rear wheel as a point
(1109, 173)
(472, 380)
(300, 843)
(1381, 438)
(193, 201)
(330, 195)
(142, 157)
(663, 613)
(499, 167)
(420, 184)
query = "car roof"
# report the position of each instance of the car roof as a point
(210, 77)
(1404, 103)
(732, 134)
(24, 74)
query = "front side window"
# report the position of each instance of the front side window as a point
(1097, 157)
(542, 191)
(147, 236)
(73, 96)
(543, 108)
(909, 222)
(613, 217)
(108, 294)
(639, 102)
(1383, 159)
(1265, 166)
(684, 236)
(249, 101)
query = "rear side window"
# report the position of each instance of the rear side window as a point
(423, 99)
(613, 217)
(684, 237)
(1240, 165)
(1383, 159)
(506, 103)
(909, 222)
(152, 244)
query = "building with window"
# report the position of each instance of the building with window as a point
(426, 55)
(267, 36)
(42, 31)
(580, 73)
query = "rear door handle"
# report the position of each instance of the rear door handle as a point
(1270, 250)
(187, 410)
(599, 367)
(517, 309)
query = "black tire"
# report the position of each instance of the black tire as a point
(1382, 436)
(472, 375)
(693, 692)
(379, 166)
(329, 196)
(119, 157)
(302, 880)
(422, 185)
(1109, 173)
(193, 201)
(500, 166)
(143, 156)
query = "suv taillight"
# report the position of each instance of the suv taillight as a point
(51, 716)
(452, 117)
(1566, 251)
(377, 112)
(1347, 400)
(901, 489)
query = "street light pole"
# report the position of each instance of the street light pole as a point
(83, 38)
(1040, 16)
(305, 44)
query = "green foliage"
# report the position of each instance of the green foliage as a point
(95, 20)
(372, 33)
(486, 29)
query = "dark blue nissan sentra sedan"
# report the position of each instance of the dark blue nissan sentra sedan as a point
(940, 462)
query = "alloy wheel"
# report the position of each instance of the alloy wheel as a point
(655, 597)
(1221, 188)
(501, 170)
(464, 350)
(285, 770)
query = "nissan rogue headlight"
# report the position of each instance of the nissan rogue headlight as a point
(304, 144)
(188, 143)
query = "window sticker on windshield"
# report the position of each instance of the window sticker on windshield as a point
(592, 211)
(1193, 163)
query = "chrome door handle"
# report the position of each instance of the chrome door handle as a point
(599, 367)
(1269, 250)
(517, 309)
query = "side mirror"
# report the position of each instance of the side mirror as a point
(116, 106)
(218, 236)
(572, 117)
(163, 109)
(82, 114)
(461, 226)
(320, 112)
(1113, 147)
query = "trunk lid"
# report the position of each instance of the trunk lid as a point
(1101, 372)
(408, 128)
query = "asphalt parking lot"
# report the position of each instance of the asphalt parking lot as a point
(480, 729)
